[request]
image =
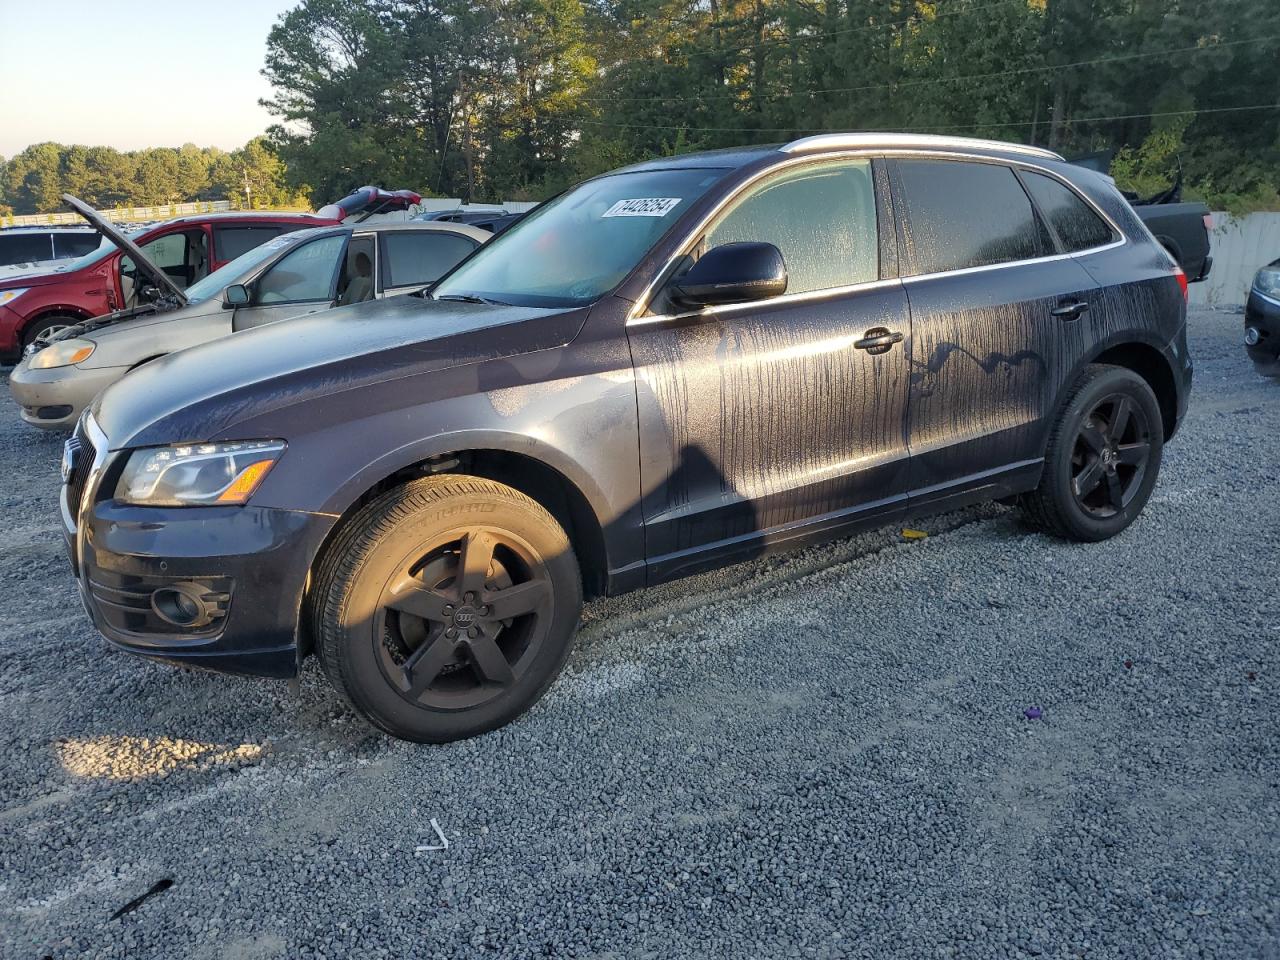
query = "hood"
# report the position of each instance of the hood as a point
(139, 312)
(34, 275)
(37, 268)
(203, 392)
(163, 283)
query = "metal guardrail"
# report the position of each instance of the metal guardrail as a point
(162, 211)
(167, 211)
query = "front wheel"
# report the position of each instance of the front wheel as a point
(46, 327)
(1102, 459)
(446, 607)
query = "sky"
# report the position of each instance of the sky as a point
(134, 73)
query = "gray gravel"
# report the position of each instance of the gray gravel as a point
(822, 755)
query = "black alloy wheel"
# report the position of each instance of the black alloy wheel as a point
(445, 607)
(461, 623)
(1102, 458)
(1109, 460)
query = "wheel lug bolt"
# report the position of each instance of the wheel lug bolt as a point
(448, 610)
(473, 633)
(484, 611)
(469, 597)
(451, 633)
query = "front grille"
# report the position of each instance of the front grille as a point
(80, 451)
(124, 602)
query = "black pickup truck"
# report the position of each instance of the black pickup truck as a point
(1181, 227)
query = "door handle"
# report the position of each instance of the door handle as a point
(878, 340)
(1070, 309)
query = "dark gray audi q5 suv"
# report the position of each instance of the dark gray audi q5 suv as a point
(671, 367)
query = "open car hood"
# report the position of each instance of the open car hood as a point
(163, 282)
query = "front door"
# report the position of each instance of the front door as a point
(999, 322)
(305, 280)
(766, 421)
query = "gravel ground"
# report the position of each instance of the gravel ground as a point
(819, 755)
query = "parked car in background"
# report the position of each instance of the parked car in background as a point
(665, 369)
(1181, 228)
(494, 221)
(1262, 320)
(34, 306)
(38, 245)
(296, 273)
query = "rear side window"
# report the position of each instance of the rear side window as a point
(71, 245)
(961, 214)
(230, 242)
(24, 248)
(1077, 226)
(822, 218)
(421, 256)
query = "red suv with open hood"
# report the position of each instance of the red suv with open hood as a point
(36, 303)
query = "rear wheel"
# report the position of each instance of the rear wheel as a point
(1102, 459)
(446, 607)
(46, 327)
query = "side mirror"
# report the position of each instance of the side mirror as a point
(732, 273)
(237, 295)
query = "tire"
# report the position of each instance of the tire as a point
(46, 325)
(1107, 442)
(406, 621)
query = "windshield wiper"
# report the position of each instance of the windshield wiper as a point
(470, 298)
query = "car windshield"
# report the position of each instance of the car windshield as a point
(229, 273)
(103, 250)
(579, 246)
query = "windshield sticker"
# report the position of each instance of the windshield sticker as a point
(642, 207)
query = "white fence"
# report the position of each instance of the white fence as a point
(167, 211)
(163, 211)
(1239, 245)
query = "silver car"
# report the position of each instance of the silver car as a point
(293, 275)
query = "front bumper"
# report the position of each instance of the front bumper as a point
(1262, 315)
(53, 399)
(249, 564)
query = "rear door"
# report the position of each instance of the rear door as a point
(999, 317)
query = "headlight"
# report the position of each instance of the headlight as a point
(8, 296)
(1268, 282)
(62, 354)
(198, 474)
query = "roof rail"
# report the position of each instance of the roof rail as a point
(910, 141)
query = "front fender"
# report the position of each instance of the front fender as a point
(572, 409)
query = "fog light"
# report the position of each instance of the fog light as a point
(1252, 336)
(181, 605)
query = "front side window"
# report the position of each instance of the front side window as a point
(1077, 226)
(822, 218)
(962, 214)
(421, 257)
(305, 274)
(574, 249)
